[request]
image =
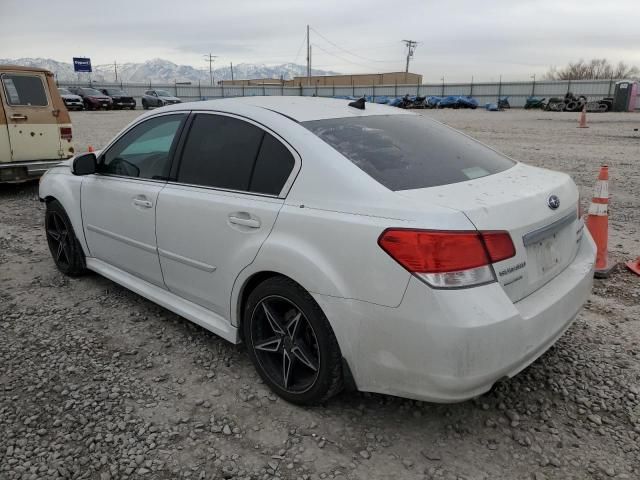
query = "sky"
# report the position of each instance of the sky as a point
(458, 39)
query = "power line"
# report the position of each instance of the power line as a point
(300, 48)
(348, 51)
(342, 58)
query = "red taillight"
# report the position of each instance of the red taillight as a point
(445, 252)
(66, 133)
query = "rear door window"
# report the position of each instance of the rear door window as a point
(405, 152)
(24, 90)
(229, 153)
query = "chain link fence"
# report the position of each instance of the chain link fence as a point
(483, 92)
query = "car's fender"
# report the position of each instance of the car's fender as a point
(60, 184)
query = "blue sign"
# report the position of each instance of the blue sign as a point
(81, 64)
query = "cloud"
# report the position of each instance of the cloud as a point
(458, 38)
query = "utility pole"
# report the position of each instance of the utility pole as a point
(308, 58)
(210, 58)
(411, 46)
(232, 71)
(115, 69)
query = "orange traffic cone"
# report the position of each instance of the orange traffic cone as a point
(583, 118)
(90, 149)
(598, 223)
(634, 265)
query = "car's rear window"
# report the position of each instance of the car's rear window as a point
(405, 152)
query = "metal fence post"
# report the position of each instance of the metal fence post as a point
(333, 89)
(243, 89)
(222, 88)
(471, 88)
(569, 86)
(374, 92)
(418, 91)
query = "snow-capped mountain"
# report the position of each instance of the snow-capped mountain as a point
(164, 71)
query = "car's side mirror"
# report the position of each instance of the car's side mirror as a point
(85, 164)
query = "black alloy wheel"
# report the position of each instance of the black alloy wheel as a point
(285, 343)
(291, 343)
(63, 244)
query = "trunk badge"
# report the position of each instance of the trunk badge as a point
(553, 202)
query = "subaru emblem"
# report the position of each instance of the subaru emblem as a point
(553, 202)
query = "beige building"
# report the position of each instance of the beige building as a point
(364, 79)
(393, 78)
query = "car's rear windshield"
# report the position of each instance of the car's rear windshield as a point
(405, 152)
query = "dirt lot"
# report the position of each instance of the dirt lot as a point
(96, 382)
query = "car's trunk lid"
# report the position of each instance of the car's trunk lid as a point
(517, 200)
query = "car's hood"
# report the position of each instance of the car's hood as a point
(71, 97)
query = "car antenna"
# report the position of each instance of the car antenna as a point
(359, 104)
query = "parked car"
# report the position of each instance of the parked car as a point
(158, 98)
(93, 99)
(71, 101)
(35, 127)
(120, 99)
(376, 248)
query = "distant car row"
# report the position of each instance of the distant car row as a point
(87, 98)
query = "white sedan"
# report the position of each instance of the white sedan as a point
(370, 248)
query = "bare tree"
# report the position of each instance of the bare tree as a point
(596, 69)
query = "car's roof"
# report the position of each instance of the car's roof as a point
(301, 109)
(316, 108)
(20, 68)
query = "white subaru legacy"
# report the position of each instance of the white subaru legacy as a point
(345, 244)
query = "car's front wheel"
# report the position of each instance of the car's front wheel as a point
(63, 244)
(291, 343)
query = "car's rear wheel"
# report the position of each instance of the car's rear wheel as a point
(63, 244)
(291, 343)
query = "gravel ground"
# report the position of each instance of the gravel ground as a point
(96, 382)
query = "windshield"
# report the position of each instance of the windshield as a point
(64, 91)
(404, 152)
(93, 92)
(115, 91)
(163, 93)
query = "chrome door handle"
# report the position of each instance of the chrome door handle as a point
(246, 222)
(17, 116)
(142, 203)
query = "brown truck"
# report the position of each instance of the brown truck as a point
(35, 127)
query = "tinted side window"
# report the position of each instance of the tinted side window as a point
(144, 150)
(26, 90)
(273, 167)
(220, 152)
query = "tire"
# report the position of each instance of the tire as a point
(272, 335)
(63, 244)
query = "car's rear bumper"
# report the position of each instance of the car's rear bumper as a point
(21, 171)
(452, 345)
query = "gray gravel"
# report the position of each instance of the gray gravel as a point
(96, 382)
